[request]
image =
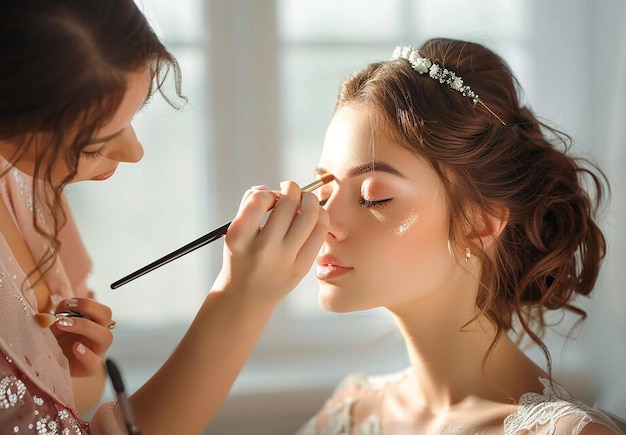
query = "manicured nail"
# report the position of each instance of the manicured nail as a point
(259, 187)
(81, 348)
(66, 322)
(71, 303)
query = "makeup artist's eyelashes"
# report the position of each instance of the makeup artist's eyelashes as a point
(94, 154)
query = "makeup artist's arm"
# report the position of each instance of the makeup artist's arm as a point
(259, 269)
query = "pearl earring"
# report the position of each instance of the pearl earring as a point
(468, 254)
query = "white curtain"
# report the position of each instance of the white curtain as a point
(607, 333)
(603, 336)
(579, 85)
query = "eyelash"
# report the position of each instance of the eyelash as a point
(94, 154)
(364, 202)
(371, 204)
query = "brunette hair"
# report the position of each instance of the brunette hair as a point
(63, 74)
(551, 247)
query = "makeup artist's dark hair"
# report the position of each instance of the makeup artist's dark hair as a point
(64, 66)
(551, 248)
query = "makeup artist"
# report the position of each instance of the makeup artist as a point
(73, 73)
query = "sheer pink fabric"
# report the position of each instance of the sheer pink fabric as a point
(35, 384)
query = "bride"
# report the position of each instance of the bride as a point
(466, 218)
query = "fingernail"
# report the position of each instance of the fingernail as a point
(259, 187)
(71, 303)
(81, 348)
(66, 322)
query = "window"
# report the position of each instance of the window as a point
(261, 81)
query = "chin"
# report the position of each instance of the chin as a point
(336, 300)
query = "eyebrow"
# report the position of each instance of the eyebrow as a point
(365, 168)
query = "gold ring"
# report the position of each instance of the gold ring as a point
(111, 325)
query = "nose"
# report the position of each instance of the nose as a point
(126, 147)
(337, 209)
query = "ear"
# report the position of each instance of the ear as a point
(488, 227)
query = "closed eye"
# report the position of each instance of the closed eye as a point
(364, 202)
(371, 204)
(94, 154)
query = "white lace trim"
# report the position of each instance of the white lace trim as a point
(536, 413)
(547, 409)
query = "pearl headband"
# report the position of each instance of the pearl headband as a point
(423, 65)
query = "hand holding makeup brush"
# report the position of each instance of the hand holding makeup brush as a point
(272, 258)
(83, 330)
(265, 257)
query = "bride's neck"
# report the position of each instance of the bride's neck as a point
(448, 350)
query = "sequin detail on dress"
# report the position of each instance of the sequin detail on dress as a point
(12, 391)
(30, 206)
(31, 414)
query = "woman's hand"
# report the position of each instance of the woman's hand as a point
(86, 339)
(268, 260)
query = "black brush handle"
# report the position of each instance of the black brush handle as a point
(189, 247)
(204, 240)
(122, 398)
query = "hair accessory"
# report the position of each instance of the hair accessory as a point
(468, 254)
(423, 65)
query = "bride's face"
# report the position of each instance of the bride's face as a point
(388, 238)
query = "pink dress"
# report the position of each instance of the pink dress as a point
(35, 385)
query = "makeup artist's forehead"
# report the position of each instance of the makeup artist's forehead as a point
(137, 93)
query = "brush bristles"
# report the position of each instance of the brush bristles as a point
(45, 320)
(327, 178)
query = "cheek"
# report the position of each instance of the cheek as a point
(87, 168)
(406, 223)
(419, 243)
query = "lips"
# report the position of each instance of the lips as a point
(104, 175)
(329, 267)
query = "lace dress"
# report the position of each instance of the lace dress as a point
(552, 413)
(35, 385)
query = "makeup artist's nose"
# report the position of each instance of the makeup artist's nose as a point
(126, 147)
(339, 217)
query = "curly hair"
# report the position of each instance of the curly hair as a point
(501, 161)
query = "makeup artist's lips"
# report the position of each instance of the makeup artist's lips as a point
(329, 267)
(104, 175)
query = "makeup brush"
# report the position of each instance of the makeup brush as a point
(122, 398)
(204, 240)
(48, 319)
